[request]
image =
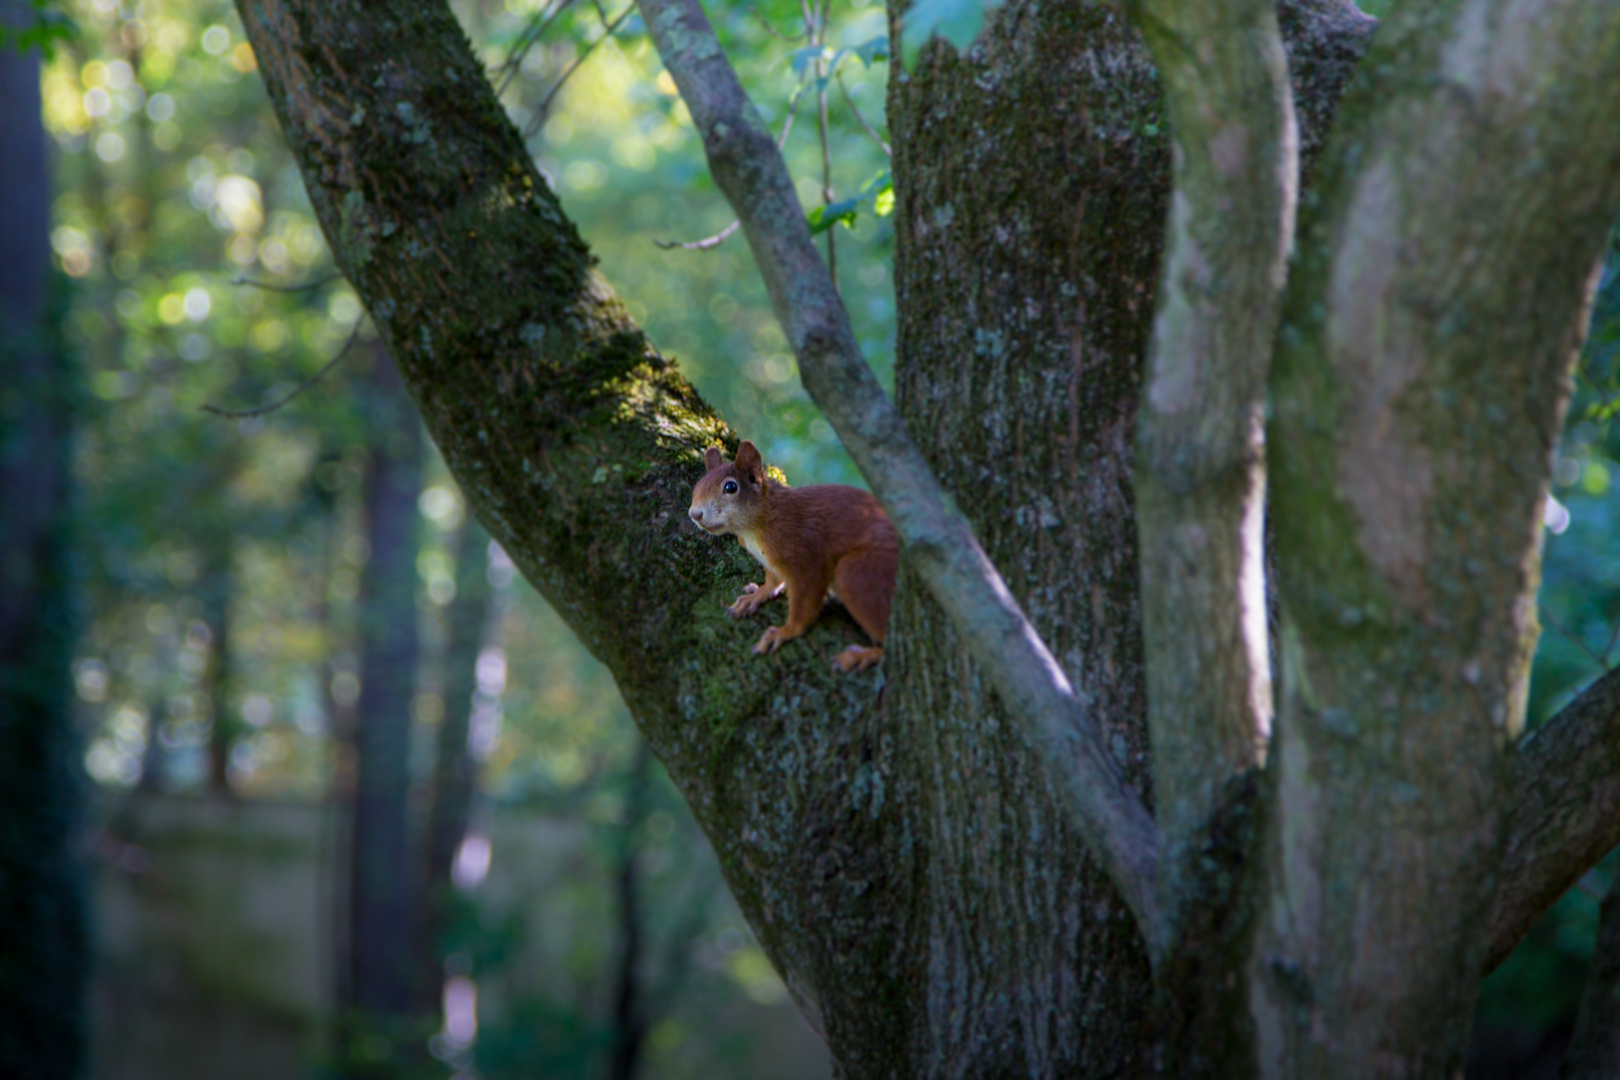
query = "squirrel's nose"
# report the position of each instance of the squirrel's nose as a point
(697, 515)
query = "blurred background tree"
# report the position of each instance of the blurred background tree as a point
(484, 874)
(43, 944)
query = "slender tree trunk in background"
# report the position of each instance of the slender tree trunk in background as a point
(629, 1004)
(43, 946)
(217, 557)
(1594, 1049)
(384, 882)
(455, 770)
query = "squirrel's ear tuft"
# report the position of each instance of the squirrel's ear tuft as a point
(712, 459)
(748, 461)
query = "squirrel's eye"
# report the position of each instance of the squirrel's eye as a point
(730, 488)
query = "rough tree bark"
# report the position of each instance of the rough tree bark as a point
(44, 950)
(1417, 404)
(913, 873)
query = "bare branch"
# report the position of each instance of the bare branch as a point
(1565, 812)
(1600, 659)
(509, 68)
(244, 414)
(708, 243)
(544, 109)
(773, 31)
(940, 547)
(318, 283)
(819, 38)
(870, 130)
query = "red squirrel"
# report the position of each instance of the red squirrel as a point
(812, 541)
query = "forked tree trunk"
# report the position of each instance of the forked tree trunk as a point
(891, 837)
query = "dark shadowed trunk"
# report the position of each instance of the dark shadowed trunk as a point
(629, 1019)
(216, 587)
(384, 884)
(43, 948)
(1594, 1049)
(455, 770)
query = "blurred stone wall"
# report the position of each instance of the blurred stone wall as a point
(214, 937)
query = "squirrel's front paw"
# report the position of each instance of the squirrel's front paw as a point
(747, 603)
(770, 640)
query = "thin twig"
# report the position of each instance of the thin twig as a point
(1608, 649)
(709, 243)
(815, 18)
(531, 37)
(1601, 661)
(870, 130)
(771, 30)
(545, 105)
(268, 287)
(244, 414)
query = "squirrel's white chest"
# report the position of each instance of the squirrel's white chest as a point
(751, 542)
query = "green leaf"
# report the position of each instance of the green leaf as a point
(47, 28)
(957, 21)
(803, 58)
(879, 191)
(823, 218)
(872, 51)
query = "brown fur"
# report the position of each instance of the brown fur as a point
(810, 540)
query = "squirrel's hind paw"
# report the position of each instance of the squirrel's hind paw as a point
(858, 658)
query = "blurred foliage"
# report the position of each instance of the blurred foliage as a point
(36, 24)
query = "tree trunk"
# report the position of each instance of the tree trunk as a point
(1025, 259)
(1594, 1048)
(629, 1020)
(455, 770)
(383, 949)
(1416, 406)
(42, 921)
(219, 546)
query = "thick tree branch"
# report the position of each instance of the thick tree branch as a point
(940, 546)
(1200, 470)
(1565, 813)
(578, 444)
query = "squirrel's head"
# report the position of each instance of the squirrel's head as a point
(727, 499)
